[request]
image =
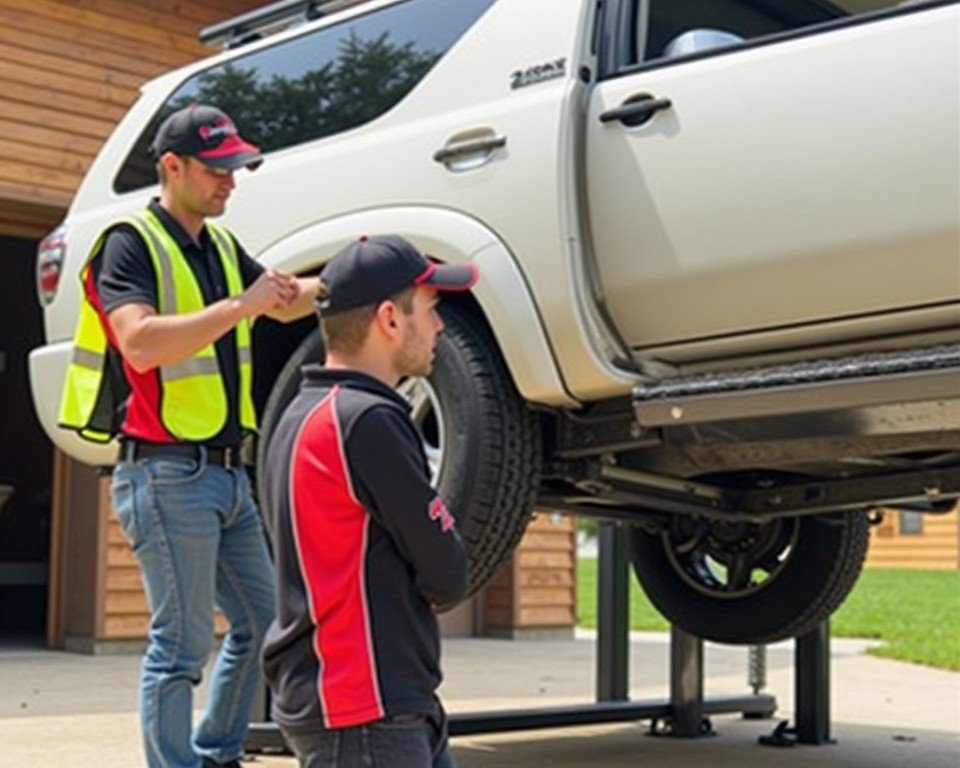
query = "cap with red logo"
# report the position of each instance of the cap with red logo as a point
(208, 134)
(372, 269)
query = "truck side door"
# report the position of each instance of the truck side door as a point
(797, 163)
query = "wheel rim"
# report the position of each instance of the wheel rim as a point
(730, 560)
(425, 412)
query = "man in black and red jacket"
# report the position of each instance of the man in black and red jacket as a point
(365, 548)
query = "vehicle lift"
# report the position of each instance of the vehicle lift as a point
(685, 714)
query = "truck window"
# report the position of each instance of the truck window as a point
(672, 28)
(318, 84)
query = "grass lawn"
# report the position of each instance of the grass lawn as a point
(915, 613)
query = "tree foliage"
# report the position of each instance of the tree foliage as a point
(364, 80)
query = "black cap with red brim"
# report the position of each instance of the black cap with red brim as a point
(207, 134)
(373, 269)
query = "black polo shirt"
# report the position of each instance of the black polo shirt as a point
(125, 275)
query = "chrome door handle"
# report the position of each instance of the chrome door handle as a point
(635, 111)
(468, 147)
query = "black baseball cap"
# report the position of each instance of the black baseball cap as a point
(208, 134)
(372, 269)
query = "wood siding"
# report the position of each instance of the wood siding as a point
(936, 546)
(537, 588)
(69, 70)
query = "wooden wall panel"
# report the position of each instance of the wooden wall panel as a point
(75, 585)
(936, 547)
(537, 588)
(69, 70)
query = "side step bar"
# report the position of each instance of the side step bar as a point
(919, 375)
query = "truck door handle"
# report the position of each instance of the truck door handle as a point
(635, 110)
(480, 145)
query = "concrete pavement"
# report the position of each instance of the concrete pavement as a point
(59, 709)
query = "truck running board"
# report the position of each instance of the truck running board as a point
(918, 375)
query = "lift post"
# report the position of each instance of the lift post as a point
(613, 614)
(812, 686)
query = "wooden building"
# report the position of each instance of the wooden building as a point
(536, 594)
(98, 604)
(906, 539)
(69, 70)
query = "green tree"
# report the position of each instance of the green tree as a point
(367, 77)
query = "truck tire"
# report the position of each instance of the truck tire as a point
(482, 441)
(750, 584)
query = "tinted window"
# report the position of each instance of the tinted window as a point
(318, 84)
(679, 27)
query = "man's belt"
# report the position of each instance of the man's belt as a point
(226, 457)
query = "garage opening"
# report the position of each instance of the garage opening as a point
(25, 455)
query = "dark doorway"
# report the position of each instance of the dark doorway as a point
(25, 453)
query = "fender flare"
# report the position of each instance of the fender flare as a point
(502, 293)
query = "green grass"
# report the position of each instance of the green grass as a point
(642, 614)
(915, 613)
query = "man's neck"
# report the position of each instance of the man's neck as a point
(370, 364)
(191, 222)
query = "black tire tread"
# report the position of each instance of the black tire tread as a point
(850, 557)
(512, 456)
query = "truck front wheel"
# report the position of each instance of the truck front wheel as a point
(748, 583)
(482, 441)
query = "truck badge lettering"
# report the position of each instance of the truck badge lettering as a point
(538, 73)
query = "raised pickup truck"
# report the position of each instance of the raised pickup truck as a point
(720, 256)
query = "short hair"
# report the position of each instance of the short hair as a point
(161, 173)
(345, 331)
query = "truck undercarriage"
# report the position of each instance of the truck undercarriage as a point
(750, 493)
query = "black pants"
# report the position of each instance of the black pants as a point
(406, 741)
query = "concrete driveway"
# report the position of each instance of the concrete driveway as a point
(60, 709)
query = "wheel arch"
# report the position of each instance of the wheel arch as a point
(502, 298)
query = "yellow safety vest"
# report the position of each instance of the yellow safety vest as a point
(193, 399)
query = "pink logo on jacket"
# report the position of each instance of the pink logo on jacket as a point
(438, 511)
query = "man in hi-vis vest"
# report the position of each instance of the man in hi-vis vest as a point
(162, 356)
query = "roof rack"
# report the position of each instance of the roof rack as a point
(272, 18)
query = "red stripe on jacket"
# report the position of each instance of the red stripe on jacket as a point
(330, 528)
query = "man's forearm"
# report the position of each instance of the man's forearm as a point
(148, 340)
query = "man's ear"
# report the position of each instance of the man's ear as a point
(171, 164)
(387, 318)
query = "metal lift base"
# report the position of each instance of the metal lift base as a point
(684, 713)
(265, 737)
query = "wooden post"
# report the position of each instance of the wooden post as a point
(54, 628)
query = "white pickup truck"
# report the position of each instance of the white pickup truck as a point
(720, 256)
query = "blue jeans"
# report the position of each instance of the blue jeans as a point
(412, 741)
(197, 533)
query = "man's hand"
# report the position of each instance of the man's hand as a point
(272, 291)
(301, 303)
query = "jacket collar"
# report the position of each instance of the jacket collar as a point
(315, 375)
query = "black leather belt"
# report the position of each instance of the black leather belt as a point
(222, 457)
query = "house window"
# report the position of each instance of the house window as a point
(911, 523)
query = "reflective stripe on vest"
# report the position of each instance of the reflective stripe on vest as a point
(193, 400)
(225, 244)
